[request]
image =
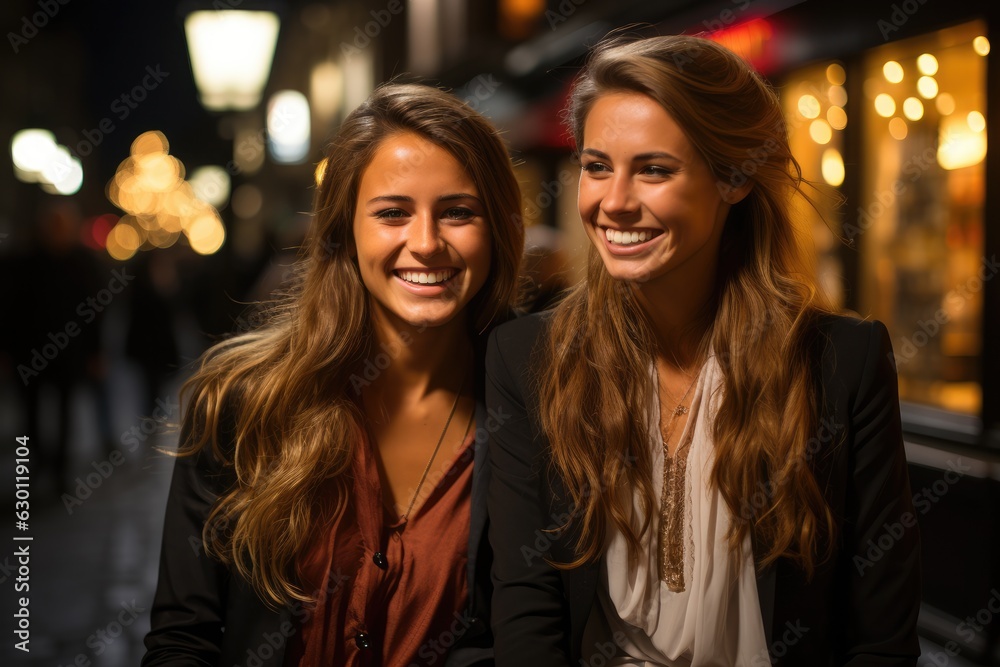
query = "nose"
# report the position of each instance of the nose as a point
(619, 198)
(425, 239)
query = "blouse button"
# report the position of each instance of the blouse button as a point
(380, 560)
(363, 641)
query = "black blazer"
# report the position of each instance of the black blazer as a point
(204, 614)
(859, 609)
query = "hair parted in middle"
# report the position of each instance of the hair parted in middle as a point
(759, 325)
(277, 404)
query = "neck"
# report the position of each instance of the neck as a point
(676, 306)
(416, 361)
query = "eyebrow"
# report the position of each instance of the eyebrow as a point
(652, 155)
(409, 200)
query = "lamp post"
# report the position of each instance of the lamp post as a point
(231, 53)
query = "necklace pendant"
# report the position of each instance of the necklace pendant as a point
(680, 410)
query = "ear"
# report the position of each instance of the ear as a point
(736, 195)
(731, 194)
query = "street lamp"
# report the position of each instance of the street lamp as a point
(231, 53)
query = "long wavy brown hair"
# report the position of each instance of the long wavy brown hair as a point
(275, 403)
(760, 324)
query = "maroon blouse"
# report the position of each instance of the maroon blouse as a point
(395, 589)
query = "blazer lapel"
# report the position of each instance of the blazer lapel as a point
(480, 480)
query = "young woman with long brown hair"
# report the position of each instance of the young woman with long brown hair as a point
(328, 506)
(699, 455)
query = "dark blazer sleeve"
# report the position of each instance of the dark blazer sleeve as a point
(190, 601)
(528, 611)
(881, 538)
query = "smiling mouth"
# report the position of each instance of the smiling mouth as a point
(426, 277)
(628, 238)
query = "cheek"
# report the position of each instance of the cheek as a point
(588, 197)
(482, 252)
(477, 254)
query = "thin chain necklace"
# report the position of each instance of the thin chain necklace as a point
(671, 542)
(430, 461)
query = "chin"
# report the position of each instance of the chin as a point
(428, 320)
(636, 272)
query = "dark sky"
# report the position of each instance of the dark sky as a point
(77, 74)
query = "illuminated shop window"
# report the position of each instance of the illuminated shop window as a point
(919, 215)
(814, 101)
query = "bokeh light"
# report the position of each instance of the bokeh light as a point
(927, 64)
(885, 106)
(820, 131)
(837, 95)
(898, 129)
(958, 145)
(945, 104)
(927, 87)
(247, 201)
(39, 159)
(809, 106)
(913, 108)
(832, 167)
(892, 71)
(837, 118)
(976, 121)
(211, 184)
(160, 205)
(836, 75)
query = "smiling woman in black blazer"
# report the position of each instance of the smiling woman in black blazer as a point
(328, 504)
(700, 463)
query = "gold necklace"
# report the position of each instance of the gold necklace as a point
(671, 542)
(427, 468)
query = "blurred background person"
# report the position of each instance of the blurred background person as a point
(57, 342)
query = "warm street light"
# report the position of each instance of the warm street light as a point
(288, 127)
(231, 53)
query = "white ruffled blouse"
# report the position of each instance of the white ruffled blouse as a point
(716, 619)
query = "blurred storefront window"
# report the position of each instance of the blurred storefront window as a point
(814, 99)
(920, 223)
(917, 221)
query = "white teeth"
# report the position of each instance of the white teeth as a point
(421, 278)
(627, 238)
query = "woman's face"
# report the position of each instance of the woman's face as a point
(420, 233)
(647, 198)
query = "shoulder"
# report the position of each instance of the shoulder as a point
(845, 338)
(846, 330)
(855, 354)
(208, 447)
(516, 340)
(511, 350)
(523, 329)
